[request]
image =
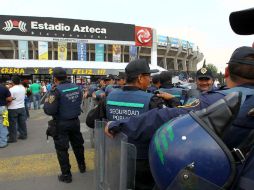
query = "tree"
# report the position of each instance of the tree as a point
(213, 68)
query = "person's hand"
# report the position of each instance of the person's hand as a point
(107, 132)
(165, 96)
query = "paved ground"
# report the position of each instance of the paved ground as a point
(32, 164)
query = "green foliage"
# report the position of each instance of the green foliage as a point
(213, 68)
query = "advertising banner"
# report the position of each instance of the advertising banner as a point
(174, 42)
(23, 49)
(43, 50)
(133, 53)
(184, 44)
(116, 53)
(163, 41)
(99, 52)
(81, 48)
(62, 51)
(143, 36)
(61, 29)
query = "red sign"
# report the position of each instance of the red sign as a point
(143, 36)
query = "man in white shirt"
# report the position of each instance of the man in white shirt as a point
(16, 110)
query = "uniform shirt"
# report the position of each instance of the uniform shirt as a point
(4, 93)
(145, 125)
(18, 93)
(99, 112)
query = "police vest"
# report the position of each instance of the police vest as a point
(179, 93)
(124, 104)
(70, 98)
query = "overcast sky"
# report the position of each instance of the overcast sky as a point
(205, 23)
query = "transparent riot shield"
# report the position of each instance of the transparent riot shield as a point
(187, 180)
(115, 161)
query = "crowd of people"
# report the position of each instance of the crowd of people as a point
(16, 97)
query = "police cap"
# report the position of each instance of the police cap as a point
(204, 73)
(242, 21)
(59, 72)
(241, 54)
(139, 66)
(165, 76)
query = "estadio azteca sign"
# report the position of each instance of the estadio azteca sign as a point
(143, 36)
(56, 29)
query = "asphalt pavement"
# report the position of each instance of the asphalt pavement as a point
(31, 164)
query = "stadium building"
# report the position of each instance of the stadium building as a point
(32, 46)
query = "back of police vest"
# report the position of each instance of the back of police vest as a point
(124, 104)
(69, 101)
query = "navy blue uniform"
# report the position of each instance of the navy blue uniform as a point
(143, 127)
(63, 104)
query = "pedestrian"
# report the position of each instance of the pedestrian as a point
(36, 90)
(63, 103)
(16, 112)
(5, 98)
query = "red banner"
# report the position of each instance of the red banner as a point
(143, 36)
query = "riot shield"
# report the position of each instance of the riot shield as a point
(187, 180)
(115, 161)
(86, 106)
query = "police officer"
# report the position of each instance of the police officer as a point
(129, 101)
(63, 104)
(204, 79)
(239, 77)
(168, 87)
(155, 84)
(204, 83)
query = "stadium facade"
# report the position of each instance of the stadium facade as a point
(31, 46)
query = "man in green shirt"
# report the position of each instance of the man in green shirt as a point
(36, 94)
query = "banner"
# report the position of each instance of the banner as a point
(133, 53)
(68, 30)
(62, 51)
(116, 49)
(81, 48)
(43, 50)
(162, 40)
(99, 52)
(184, 44)
(174, 42)
(23, 49)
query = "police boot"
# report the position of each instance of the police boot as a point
(63, 159)
(79, 154)
(66, 178)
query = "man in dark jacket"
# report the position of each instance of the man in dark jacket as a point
(63, 104)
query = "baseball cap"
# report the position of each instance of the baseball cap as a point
(59, 72)
(139, 66)
(240, 54)
(165, 76)
(204, 73)
(121, 75)
(242, 21)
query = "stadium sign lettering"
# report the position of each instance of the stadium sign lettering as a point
(62, 27)
(49, 71)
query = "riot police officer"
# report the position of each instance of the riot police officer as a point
(239, 78)
(63, 104)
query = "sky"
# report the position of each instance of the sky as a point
(204, 23)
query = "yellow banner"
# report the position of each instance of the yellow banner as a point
(62, 51)
(43, 50)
